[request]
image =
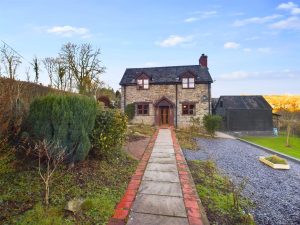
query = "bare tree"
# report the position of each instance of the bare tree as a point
(10, 60)
(27, 74)
(50, 64)
(50, 156)
(83, 63)
(36, 68)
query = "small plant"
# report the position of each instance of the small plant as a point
(196, 124)
(276, 159)
(130, 111)
(109, 132)
(212, 123)
(52, 154)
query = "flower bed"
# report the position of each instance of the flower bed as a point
(275, 162)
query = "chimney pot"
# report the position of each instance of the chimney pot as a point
(203, 61)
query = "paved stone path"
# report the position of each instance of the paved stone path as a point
(159, 199)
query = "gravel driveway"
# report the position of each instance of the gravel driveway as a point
(275, 192)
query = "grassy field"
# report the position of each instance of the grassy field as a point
(99, 183)
(278, 144)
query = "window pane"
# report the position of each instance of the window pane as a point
(146, 86)
(185, 109)
(140, 111)
(146, 81)
(192, 107)
(140, 106)
(184, 85)
(145, 111)
(140, 82)
(184, 80)
(192, 85)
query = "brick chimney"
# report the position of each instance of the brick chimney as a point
(203, 60)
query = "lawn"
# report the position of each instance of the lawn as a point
(99, 183)
(278, 144)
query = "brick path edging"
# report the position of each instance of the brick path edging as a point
(194, 209)
(122, 209)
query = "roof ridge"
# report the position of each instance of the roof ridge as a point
(160, 67)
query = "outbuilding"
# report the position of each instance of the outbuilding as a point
(244, 113)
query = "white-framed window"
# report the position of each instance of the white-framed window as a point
(143, 83)
(188, 82)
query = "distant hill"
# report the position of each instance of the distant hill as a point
(284, 102)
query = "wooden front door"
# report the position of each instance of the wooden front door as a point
(164, 113)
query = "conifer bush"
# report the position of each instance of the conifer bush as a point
(130, 111)
(109, 132)
(66, 119)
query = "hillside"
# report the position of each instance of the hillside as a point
(288, 102)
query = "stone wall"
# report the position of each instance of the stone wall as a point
(156, 92)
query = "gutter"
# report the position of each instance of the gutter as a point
(176, 106)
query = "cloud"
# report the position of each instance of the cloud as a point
(231, 45)
(290, 6)
(264, 50)
(174, 40)
(191, 19)
(255, 20)
(69, 31)
(247, 50)
(201, 15)
(244, 75)
(252, 38)
(291, 23)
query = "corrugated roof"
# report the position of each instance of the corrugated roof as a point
(168, 74)
(244, 102)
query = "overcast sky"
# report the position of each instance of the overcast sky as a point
(253, 47)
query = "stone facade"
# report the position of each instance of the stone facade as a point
(198, 95)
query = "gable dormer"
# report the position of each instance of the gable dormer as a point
(188, 80)
(142, 81)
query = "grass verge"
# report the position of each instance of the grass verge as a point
(278, 144)
(143, 129)
(221, 199)
(187, 139)
(100, 183)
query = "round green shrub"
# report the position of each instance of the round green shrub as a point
(212, 123)
(130, 111)
(66, 119)
(109, 132)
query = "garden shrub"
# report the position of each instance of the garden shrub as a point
(109, 132)
(211, 123)
(130, 111)
(66, 119)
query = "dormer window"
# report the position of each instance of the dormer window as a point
(188, 81)
(142, 82)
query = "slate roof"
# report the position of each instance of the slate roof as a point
(166, 75)
(244, 102)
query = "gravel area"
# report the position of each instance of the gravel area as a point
(276, 193)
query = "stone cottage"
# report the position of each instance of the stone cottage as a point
(168, 96)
